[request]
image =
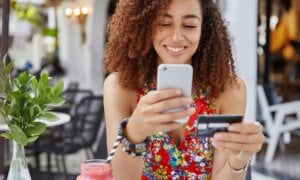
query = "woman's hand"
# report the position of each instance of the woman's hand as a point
(242, 141)
(147, 118)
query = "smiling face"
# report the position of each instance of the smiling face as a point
(178, 34)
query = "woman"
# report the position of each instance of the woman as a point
(144, 34)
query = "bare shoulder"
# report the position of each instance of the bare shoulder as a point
(233, 98)
(116, 95)
(234, 89)
(112, 80)
(112, 84)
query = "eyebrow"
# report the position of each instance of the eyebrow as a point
(184, 17)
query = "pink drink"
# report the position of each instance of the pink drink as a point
(95, 169)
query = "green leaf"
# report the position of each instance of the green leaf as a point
(3, 95)
(2, 85)
(31, 112)
(42, 91)
(28, 85)
(23, 78)
(9, 68)
(1, 64)
(48, 116)
(26, 99)
(2, 117)
(34, 85)
(55, 101)
(32, 139)
(58, 88)
(44, 78)
(37, 109)
(15, 110)
(18, 135)
(6, 135)
(37, 129)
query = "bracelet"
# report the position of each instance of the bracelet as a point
(243, 169)
(128, 147)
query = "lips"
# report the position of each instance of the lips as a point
(175, 51)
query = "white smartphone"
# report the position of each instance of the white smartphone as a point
(179, 76)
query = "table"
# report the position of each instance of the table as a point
(63, 118)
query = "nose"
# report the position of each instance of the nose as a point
(177, 35)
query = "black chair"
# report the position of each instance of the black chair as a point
(101, 151)
(53, 134)
(66, 130)
(69, 95)
(81, 134)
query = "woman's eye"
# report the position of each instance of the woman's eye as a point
(165, 25)
(189, 26)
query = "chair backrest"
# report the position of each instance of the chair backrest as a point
(70, 93)
(78, 96)
(264, 106)
(101, 151)
(89, 115)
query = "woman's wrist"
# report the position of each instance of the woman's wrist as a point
(238, 164)
(133, 149)
(131, 133)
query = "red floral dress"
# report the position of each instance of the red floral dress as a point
(193, 158)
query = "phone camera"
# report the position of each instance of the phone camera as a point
(165, 68)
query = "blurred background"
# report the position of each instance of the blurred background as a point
(66, 38)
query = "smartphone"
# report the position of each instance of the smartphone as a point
(179, 76)
(207, 125)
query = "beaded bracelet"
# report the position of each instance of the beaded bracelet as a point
(128, 147)
(243, 169)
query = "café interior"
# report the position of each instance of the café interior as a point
(66, 38)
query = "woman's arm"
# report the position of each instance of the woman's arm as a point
(118, 104)
(242, 137)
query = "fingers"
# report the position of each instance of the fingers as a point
(171, 117)
(156, 96)
(239, 150)
(242, 137)
(150, 115)
(235, 146)
(238, 138)
(172, 103)
(167, 126)
(246, 127)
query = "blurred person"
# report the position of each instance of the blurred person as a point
(143, 34)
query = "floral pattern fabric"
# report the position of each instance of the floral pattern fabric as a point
(192, 158)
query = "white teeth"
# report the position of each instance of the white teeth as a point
(175, 49)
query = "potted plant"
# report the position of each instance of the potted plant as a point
(23, 100)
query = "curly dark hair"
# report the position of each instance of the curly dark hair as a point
(130, 51)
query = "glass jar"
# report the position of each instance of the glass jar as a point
(18, 167)
(95, 169)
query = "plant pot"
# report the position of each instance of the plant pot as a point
(18, 169)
